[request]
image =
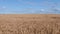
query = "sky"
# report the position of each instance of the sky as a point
(29, 6)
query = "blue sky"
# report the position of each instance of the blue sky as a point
(29, 7)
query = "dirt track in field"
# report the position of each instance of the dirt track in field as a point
(30, 24)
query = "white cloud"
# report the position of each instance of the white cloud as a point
(42, 10)
(3, 8)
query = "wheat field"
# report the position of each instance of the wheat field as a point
(30, 24)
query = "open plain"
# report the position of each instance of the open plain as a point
(30, 24)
